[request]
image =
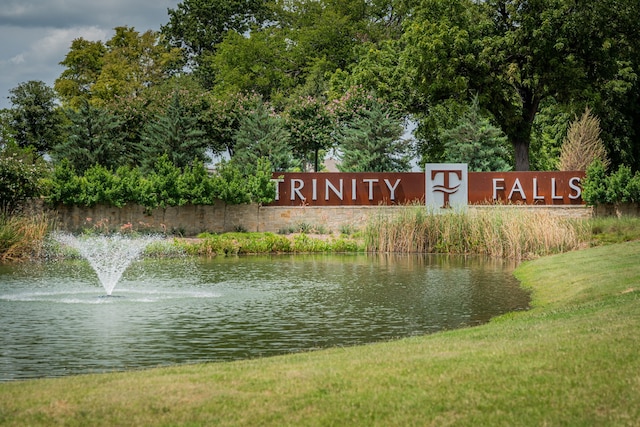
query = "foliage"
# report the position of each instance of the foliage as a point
(83, 64)
(583, 145)
(237, 184)
(124, 66)
(20, 175)
(96, 136)
(175, 134)
(475, 141)
(35, 120)
(198, 26)
(548, 131)
(621, 186)
(516, 54)
(380, 68)
(164, 185)
(311, 123)
(372, 142)
(262, 133)
(251, 64)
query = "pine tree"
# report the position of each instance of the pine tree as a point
(372, 142)
(475, 141)
(176, 134)
(263, 135)
(95, 137)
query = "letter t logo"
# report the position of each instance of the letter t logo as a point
(446, 185)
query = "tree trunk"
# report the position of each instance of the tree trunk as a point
(521, 148)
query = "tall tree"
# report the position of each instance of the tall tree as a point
(175, 134)
(96, 137)
(371, 142)
(311, 124)
(36, 121)
(517, 53)
(475, 141)
(83, 64)
(124, 66)
(262, 134)
(198, 26)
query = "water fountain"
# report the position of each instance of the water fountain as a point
(108, 255)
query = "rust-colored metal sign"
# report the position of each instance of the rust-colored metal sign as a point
(348, 189)
(531, 188)
(351, 189)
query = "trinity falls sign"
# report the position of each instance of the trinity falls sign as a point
(441, 185)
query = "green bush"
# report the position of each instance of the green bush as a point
(621, 186)
(165, 185)
(20, 174)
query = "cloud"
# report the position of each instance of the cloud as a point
(35, 35)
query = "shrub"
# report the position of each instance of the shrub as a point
(621, 186)
(20, 174)
(166, 185)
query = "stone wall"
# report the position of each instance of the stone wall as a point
(191, 220)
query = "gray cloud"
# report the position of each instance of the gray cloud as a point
(35, 35)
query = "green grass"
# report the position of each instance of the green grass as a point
(614, 230)
(573, 359)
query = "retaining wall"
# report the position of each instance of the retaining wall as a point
(191, 220)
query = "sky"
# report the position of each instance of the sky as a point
(35, 35)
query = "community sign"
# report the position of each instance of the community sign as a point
(441, 185)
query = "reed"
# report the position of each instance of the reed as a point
(22, 236)
(505, 232)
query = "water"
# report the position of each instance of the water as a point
(57, 321)
(108, 255)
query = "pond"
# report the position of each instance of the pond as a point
(57, 320)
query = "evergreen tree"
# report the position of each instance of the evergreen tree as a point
(262, 134)
(176, 134)
(475, 141)
(35, 119)
(371, 142)
(95, 137)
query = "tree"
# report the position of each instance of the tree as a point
(199, 26)
(83, 64)
(371, 142)
(475, 141)
(35, 120)
(517, 53)
(583, 145)
(220, 117)
(311, 125)
(124, 66)
(255, 63)
(175, 134)
(96, 137)
(262, 134)
(132, 63)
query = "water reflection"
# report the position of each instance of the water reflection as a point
(57, 322)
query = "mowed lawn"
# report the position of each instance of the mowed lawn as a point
(573, 359)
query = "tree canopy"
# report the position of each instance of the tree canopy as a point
(495, 83)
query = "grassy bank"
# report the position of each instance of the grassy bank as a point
(571, 360)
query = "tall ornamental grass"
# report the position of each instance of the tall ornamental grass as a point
(22, 236)
(515, 233)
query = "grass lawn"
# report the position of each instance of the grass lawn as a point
(573, 359)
